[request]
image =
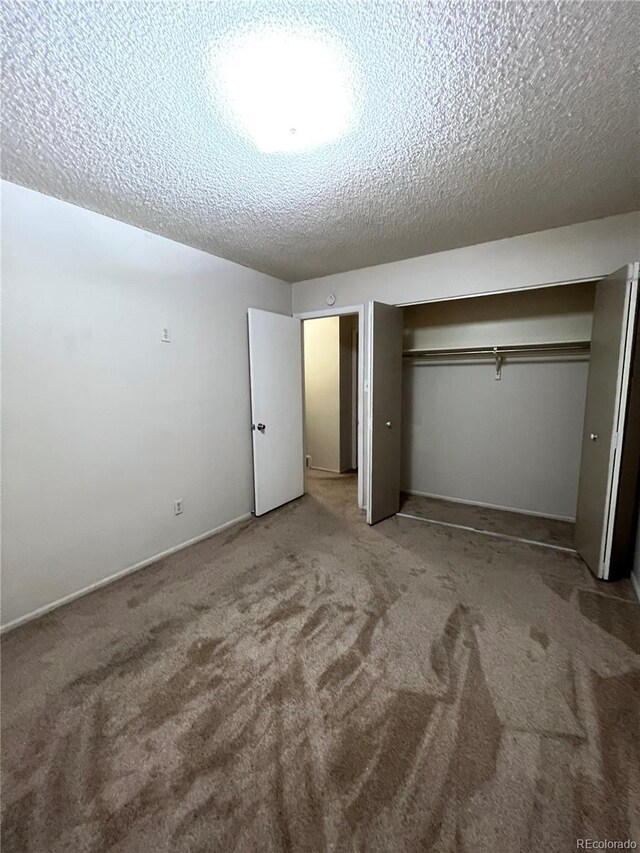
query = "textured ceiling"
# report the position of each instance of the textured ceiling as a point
(472, 122)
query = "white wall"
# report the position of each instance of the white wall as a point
(103, 426)
(322, 392)
(572, 253)
(512, 443)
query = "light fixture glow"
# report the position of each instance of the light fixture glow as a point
(286, 90)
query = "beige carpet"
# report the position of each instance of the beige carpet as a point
(305, 683)
(548, 531)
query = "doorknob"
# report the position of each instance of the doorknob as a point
(388, 424)
(261, 427)
(594, 436)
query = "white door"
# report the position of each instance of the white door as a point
(385, 409)
(275, 364)
(612, 339)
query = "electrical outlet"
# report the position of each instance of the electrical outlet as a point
(177, 506)
(165, 335)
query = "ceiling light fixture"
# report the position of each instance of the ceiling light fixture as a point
(286, 90)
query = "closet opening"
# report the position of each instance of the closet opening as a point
(494, 391)
(331, 407)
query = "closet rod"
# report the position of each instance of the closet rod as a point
(492, 352)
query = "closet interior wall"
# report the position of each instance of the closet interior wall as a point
(512, 442)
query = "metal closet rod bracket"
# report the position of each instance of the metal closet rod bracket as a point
(499, 360)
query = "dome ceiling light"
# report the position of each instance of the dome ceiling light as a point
(286, 90)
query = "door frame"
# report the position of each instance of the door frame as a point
(363, 451)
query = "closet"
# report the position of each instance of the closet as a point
(494, 436)
(494, 392)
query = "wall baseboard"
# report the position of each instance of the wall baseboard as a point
(47, 608)
(490, 506)
(635, 580)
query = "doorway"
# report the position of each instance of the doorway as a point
(332, 379)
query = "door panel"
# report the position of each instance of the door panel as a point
(385, 408)
(626, 515)
(611, 349)
(275, 363)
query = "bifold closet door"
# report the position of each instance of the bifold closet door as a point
(275, 365)
(385, 410)
(612, 348)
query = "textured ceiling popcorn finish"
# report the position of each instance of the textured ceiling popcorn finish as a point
(472, 122)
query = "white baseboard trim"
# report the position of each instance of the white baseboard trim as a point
(490, 506)
(635, 580)
(47, 608)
